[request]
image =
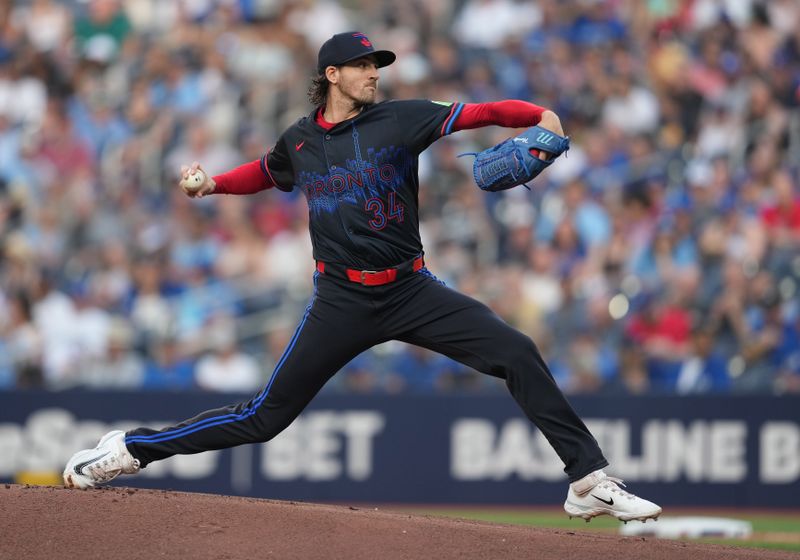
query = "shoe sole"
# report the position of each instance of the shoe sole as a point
(68, 482)
(588, 514)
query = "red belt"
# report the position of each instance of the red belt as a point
(375, 277)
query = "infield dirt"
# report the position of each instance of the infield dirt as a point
(54, 523)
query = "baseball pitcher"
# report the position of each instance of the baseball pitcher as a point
(356, 162)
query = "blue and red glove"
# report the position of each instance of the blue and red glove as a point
(517, 160)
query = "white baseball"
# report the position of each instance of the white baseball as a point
(194, 183)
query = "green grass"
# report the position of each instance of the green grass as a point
(773, 531)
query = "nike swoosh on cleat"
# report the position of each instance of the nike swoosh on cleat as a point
(609, 502)
(79, 466)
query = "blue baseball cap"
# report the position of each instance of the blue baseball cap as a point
(351, 45)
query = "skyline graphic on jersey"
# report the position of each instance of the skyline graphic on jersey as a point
(358, 180)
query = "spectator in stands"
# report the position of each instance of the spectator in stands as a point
(788, 378)
(225, 368)
(150, 310)
(663, 330)
(761, 348)
(362, 374)
(121, 367)
(45, 23)
(418, 370)
(23, 348)
(168, 368)
(703, 370)
(100, 33)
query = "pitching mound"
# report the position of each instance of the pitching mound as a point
(47, 523)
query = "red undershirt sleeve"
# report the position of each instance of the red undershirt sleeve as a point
(510, 114)
(245, 179)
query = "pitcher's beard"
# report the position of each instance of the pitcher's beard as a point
(359, 102)
(364, 101)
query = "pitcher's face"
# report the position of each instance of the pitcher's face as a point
(358, 80)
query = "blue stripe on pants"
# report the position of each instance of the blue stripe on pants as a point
(225, 419)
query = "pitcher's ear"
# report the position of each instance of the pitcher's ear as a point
(332, 73)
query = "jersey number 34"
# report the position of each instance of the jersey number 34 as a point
(380, 218)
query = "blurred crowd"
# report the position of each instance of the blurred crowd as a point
(661, 255)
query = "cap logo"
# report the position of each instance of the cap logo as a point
(364, 40)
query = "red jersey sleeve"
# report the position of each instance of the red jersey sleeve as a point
(510, 114)
(245, 179)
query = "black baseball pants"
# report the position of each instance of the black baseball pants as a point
(344, 319)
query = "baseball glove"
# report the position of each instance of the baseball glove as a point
(517, 160)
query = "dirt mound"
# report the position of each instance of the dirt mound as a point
(48, 523)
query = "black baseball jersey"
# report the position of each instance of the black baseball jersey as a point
(360, 179)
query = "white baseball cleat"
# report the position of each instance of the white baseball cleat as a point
(102, 464)
(601, 494)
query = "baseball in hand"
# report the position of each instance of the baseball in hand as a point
(194, 182)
